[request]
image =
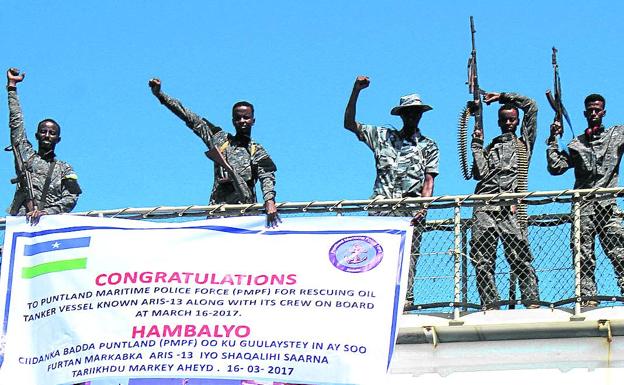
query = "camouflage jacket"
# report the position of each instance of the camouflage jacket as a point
(58, 199)
(496, 166)
(401, 163)
(596, 161)
(251, 161)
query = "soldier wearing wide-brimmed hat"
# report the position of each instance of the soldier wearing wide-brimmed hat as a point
(411, 101)
(407, 162)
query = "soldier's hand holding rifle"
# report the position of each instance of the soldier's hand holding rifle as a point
(556, 128)
(473, 106)
(488, 98)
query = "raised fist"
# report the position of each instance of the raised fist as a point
(154, 84)
(14, 76)
(361, 82)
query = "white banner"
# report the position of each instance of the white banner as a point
(314, 301)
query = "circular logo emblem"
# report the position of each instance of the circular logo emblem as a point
(356, 254)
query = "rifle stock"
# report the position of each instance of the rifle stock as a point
(553, 103)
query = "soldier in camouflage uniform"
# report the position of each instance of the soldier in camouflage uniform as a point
(248, 159)
(407, 162)
(55, 184)
(595, 157)
(496, 169)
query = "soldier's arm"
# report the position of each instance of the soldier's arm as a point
(619, 134)
(426, 192)
(558, 162)
(16, 119)
(432, 166)
(200, 126)
(350, 123)
(365, 133)
(528, 129)
(432, 159)
(480, 166)
(266, 175)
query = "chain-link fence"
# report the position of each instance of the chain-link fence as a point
(568, 252)
(479, 251)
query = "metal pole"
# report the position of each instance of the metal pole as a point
(457, 253)
(464, 266)
(576, 231)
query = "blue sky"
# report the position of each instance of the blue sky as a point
(88, 64)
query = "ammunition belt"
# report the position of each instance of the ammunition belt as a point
(462, 143)
(523, 181)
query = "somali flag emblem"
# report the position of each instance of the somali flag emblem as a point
(56, 253)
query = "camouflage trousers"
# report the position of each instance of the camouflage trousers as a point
(487, 228)
(603, 223)
(419, 229)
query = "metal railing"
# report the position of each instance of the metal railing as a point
(561, 227)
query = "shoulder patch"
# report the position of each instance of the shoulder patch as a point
(225, 145)
(72, 185)
(71, 176)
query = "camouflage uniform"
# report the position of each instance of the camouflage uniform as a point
(401, 167)
(496, 169)
(250, 161)
(596, 163)
(58, 199)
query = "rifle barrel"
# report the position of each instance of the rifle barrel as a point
(472, 32)
(472, 72)
(554, 56)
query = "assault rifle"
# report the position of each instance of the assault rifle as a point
(556, 102)
(239, 184)
(23, 178)
(473, 108)
(473, 81)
